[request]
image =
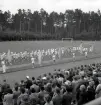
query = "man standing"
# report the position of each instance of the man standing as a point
(73, 56)
(40, 58)
(57, 98)
(3, 66)
(86, 53)
(54, 58)
(67, 96)
(33, 61)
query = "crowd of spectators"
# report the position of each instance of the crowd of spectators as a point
(74, 86)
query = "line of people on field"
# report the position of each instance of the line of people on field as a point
(38, 56)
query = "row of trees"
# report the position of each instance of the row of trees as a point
(72, 23)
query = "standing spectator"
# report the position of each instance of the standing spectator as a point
(67, 97)
(25, 100)
(8, 98)
(28, 82)
(22, 84)
(1, 96)
(57, 98)
(41, 95)
(33, 97)
(48, 100)
(16, 94)
(98, 90)
(5, 87)
(20, 98)
(35, 86)
(33, 80)
(82, 98)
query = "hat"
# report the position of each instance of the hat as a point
(44, 78)
(27, 77)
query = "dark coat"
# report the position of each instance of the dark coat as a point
(82, 98)
(57, 100)
(90, 94)
(67, 99)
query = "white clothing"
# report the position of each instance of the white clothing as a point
(3, 66)
(40, 58)
(54, 57)
(86, 54)
(33, 60)
(73, 55)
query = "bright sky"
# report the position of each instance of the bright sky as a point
(50, 5)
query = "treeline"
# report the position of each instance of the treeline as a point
(40, 25)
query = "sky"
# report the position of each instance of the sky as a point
(50, 5)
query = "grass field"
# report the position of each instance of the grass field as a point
(31, 45)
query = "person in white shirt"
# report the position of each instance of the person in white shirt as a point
(3, 66)
(40, 58)
(33, 61)
(86, 54)
(54, 58)
(73, 56)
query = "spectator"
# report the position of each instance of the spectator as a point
(33, 80)
(16, 94)
(8, 98)
(98, 90)
(1, 96)
(33, 97)
(82, 98)
(5, 87)
(57, 98)
(48, 100)
(22, 84)
(41, 95)
(20, 98)
(67, 97)
(28, 82)
(35, 86)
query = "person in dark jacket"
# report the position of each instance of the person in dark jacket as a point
(67, 96)
(28, 82)
(82, 97)
(57, 98)
(90, 93)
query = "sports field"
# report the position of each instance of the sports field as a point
(18, 46)
(31, 45)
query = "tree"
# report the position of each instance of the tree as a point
(78, 16)
(43, 16)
